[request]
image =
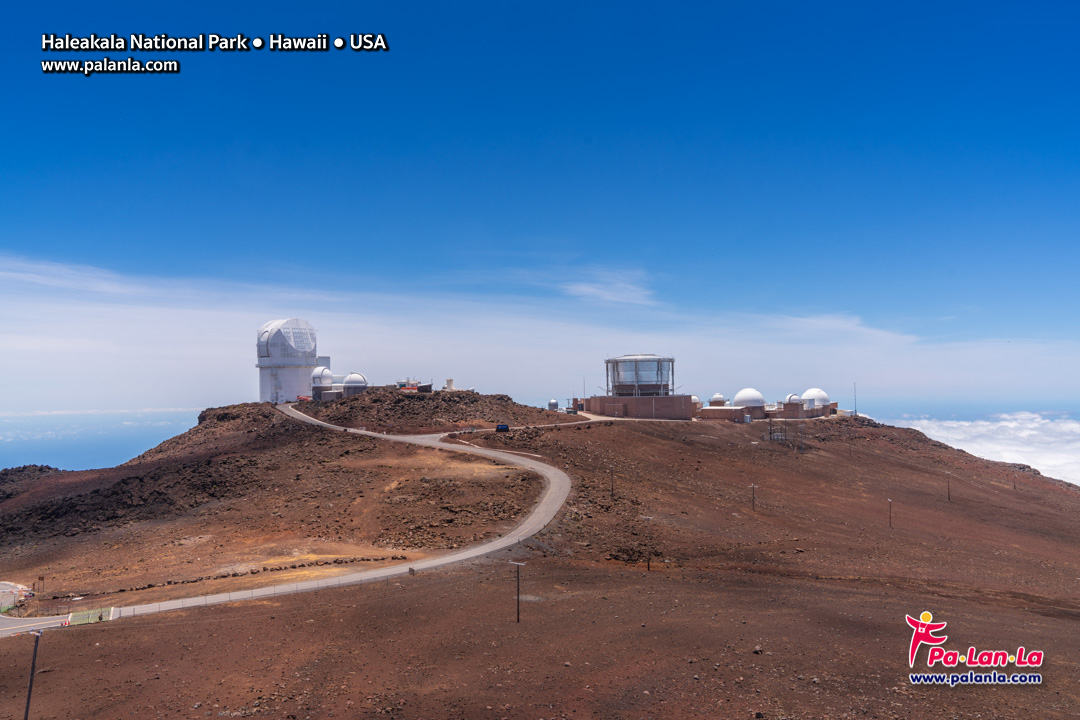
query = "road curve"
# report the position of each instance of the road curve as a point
(556, 489)
(16, 625)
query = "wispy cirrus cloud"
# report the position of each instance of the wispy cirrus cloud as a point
(629, 287)
(18, 271)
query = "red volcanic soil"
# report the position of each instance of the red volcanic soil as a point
(793, 609)
(248, 497)
(394, 411)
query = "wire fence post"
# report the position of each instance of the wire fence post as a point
(33, 670)
(518, 568)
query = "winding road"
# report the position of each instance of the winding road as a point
(556, 489)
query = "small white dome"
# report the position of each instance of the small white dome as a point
(718, 398)
(792, 398)
(322, 377)
(695, 398)
(819, 396)
(354, 379)
(748, 397)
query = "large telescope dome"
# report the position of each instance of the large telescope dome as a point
(819, 396)
(748, 397)
(286, 343)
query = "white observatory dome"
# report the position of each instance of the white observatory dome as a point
(322, 377)
(286, 343)
(748, 397)
(819, 396)
(792, 398)
(354, 379)
(719, 399)
(695, 398)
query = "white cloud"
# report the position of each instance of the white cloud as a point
(92, 340)
(1050, 445)
(16, 270)
(614, 287)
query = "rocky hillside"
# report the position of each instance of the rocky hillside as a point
(665, 588)
(15, 480)
(390, 410)
(248, 487)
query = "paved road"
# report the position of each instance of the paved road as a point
(556, 488)
(13, 625)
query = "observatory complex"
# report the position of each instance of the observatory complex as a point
(290, 367)
(749, 404)
(638, 386)
(643, 386)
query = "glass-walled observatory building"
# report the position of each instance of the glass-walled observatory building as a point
(642, 386)
(640, 376)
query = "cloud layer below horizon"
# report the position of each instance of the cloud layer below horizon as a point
(1051, 445)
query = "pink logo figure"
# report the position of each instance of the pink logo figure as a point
(924, 633)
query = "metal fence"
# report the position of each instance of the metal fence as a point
(85, 617)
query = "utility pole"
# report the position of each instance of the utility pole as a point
(33, 669)
(518, 565)
(890, 513)
(648, 554)
(948, 485)
(856, 388)
(753, 497)
(611, 477)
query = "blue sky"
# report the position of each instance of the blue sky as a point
(842, 192)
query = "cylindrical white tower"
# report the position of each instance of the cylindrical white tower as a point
(286, 358)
